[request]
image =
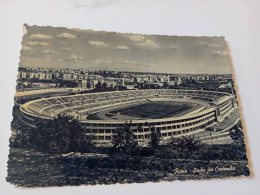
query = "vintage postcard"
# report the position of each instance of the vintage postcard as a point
(96, 107)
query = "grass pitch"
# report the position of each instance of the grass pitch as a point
(154, 110)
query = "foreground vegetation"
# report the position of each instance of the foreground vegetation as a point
(64, 135)
(33, 169)
(58, 153)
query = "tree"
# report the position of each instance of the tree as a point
(210, 129)
(69, 84)
(188, 143)
(58, 135)
(166, 85)
(20, 132)
(155, 136)
(63, 134)
(85, 143)
(236, 134)
(123, 139)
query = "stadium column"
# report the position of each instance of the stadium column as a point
(217, 114)
(233, 101)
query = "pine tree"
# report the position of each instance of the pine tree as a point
(155, 137)
(63, 134)
(123, 139)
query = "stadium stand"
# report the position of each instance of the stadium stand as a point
(217, 105)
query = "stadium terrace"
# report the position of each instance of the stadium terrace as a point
(102, 113)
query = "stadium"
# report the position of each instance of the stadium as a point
(174, 112)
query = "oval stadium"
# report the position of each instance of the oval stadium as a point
(174, 112)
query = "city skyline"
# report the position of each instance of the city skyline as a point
(49, 47)
(92, 80)
(37, 69)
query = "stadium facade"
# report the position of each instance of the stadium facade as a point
(215, 106)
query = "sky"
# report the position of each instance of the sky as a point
(45, 46)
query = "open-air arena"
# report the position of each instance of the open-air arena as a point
(174, 112)
(97, 107)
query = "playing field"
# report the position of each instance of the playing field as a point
(154, 110)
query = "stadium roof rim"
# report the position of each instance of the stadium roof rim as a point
(34, 101)
(24, 107)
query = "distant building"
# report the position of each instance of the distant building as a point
(110, 83)
(23, 75)
(83, 84)
(48, 76)
(172, 83)
(101, 81)
(91, 84)
(152, 78)
(153, 85)
(164, 78)
(67, 77)
(19, 75)
(81, 77)
(42, 76)
(33, 75)
(75, 77)
(56, 75)
(129, 85)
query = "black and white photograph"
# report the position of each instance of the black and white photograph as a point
(101, 107)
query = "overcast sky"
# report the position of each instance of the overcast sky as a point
(100, 50)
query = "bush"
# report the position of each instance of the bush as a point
(63, 134)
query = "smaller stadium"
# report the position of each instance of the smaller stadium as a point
(172, 111)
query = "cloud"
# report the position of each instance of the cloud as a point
(148, 44)
(143, 64)
(40, 37)
(220, 53)
(141, 41)
(65, 49)
(204, 43)
(77, 29)
(63, 43)
(124, 63)
(36, 43)
(101, 61)
(123, 48)
(66, 36)
(137, 38)
(71, 58)
(46, 51)
(100, 44)
(74, 58)
(27, 49)
(172, 47)
(214, 45)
